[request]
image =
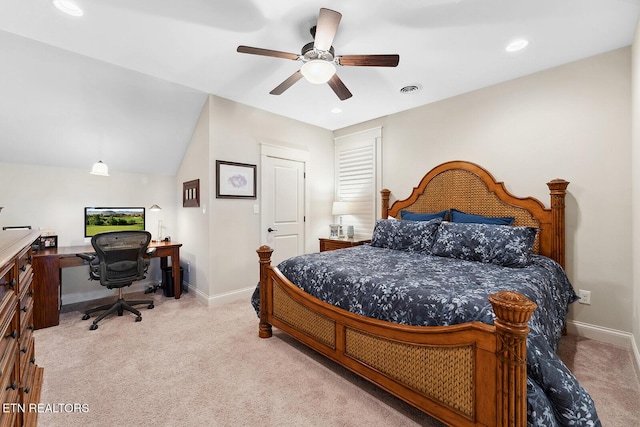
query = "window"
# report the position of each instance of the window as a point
(358, 178)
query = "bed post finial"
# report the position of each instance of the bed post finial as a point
(558, 190)
(264, 252)
(513, 310)
(385, 203)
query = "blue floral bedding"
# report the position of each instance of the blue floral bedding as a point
(415, 288)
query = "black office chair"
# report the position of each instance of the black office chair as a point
(121, 258)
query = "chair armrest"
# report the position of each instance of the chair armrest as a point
(150, 251)
(87, 256)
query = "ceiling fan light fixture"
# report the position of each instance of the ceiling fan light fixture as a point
(68, 7)
(318, 71)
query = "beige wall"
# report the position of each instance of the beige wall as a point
(193, 223)
(570, 122)
(635, 186)
(229, 241)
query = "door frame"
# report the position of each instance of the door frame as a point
(286, 153)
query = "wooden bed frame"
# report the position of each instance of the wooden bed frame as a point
(470, 374)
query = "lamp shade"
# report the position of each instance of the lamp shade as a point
(155, 208)
(318, 71)
(343, 208)
(100, 168)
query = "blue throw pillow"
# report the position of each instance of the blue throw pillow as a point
(411, 216)
(410, 236)
(497, 244)
(459, 216)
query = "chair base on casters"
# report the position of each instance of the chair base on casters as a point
(120, 306)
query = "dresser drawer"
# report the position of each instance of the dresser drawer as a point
(9, 418)
(26, 354)
(25, 270)
(9, 378)
(25, 312)
(8, 282)
(8, 324)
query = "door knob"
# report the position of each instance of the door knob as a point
(271, 230)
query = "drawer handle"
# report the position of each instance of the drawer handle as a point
(27, 389)
(12, 334)
(23, 267)
(24, 349)
(29, 259)
(32, 361)
(30, 293)
(12, 283)
(31, 327)
(13, 386)
(24, 309)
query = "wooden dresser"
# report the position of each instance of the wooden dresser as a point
(20, 377)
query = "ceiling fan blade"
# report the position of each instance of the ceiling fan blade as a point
(287, 83)
(326, 28)
(369, 60)
(339, 88)
(267, 52)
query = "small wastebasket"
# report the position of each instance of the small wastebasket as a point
(167, 281)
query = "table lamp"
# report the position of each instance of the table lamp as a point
(340, 209)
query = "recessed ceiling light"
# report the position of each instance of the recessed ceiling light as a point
(68, 7)
(336, 110)
(517, 45)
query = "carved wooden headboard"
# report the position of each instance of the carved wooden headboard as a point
(472, 189)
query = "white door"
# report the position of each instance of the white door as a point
(283, 218)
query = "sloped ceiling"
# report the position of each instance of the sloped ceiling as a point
(126, 81)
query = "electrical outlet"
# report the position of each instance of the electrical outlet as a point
(585, 297)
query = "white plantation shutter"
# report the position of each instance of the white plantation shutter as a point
(358, 179)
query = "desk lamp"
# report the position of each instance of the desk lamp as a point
(156, 208)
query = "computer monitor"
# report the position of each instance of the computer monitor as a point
(98, 220)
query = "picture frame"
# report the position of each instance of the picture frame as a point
(191, 194)
(235, 180)
(48, 242)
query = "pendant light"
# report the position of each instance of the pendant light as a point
(100, 168)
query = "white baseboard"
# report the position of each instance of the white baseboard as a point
(599, 333)
(101, 292)
(214, 300)
(610, 336)
(231, 296)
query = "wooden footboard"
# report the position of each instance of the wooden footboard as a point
(464, 375)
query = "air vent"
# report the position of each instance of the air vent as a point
(411, 89)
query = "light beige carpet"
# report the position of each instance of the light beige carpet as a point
(189, 365)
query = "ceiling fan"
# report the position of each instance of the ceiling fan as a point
(319, 59)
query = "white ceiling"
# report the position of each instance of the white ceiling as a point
(126, 81)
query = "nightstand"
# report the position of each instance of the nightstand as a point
(332, 244)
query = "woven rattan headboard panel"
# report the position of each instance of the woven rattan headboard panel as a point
(470, 188)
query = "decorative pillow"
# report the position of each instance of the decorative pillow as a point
(459, 216)
(411, 216)
(497, 244)
(411, 236)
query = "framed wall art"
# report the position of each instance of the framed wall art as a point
(191, 194)
(235, 180)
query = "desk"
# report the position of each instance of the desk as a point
(48, 263)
